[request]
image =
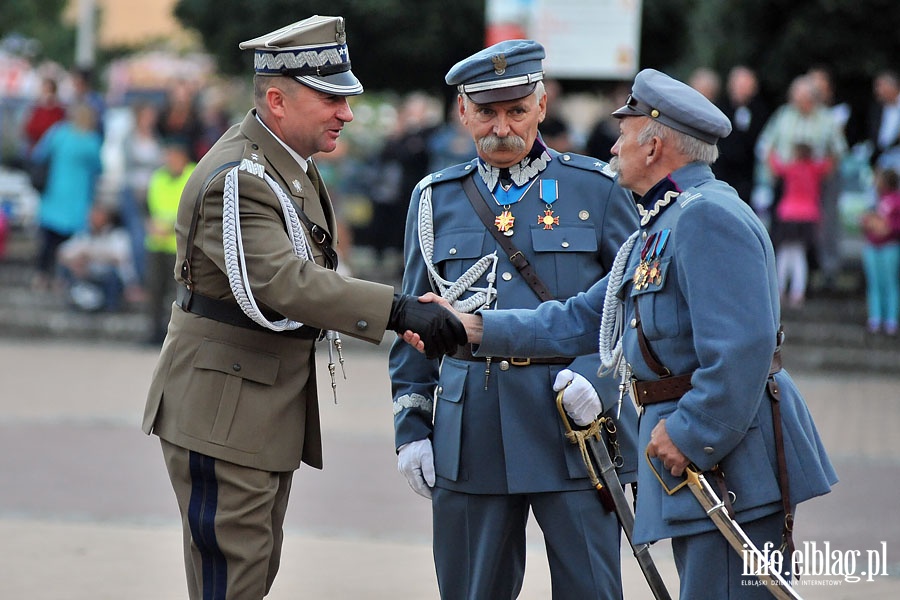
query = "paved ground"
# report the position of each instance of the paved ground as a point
(86, 511)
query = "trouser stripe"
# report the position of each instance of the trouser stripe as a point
(202, 519)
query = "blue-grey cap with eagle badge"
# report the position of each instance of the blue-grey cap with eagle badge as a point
(675, 104)
(508, 70)
(312, 51)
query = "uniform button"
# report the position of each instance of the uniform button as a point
(643, 235)
(565, 244)
(633, 323)
(566, 157)
(452, 251)
(709, 449)
(504, 365)
(362, 325)
(236, 367)
(440, 390)
(584, 215)
(255, 147)
(468, 167)
(507, 276)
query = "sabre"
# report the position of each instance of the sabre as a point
(593, 448)
(736, 537)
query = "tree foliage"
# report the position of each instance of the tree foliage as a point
(394, 44)
(40, 20)
(779, 38)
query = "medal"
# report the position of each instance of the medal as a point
(504, 222)
(547, 219)
(548, 190)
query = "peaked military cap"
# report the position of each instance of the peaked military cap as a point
(675, 104)
(312, 51)
(505, 71)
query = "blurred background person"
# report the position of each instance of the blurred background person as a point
(884, 118)
(799, 214)
(46, 112)
(804, 119)
(555, 130)
(164, 190)
(96, 265)
(881, 255)
(179, 116)
(142, 152)
(707, 82)
(747, 111)
(605, 132)
(84, 92)
(72, 149)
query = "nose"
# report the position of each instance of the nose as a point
(615, 149)
(501, 127)
(344, 113)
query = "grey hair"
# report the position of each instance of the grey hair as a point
(691, 147)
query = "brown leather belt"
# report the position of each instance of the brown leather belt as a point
(667, 389)
(465, 353)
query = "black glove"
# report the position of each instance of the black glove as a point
(439, 329)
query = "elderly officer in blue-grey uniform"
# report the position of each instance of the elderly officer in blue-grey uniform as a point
(690, 312)
(482, 437)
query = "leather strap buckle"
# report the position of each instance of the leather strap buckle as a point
(519, 362)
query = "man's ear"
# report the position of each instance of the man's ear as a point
(275, 101)
(655, 150)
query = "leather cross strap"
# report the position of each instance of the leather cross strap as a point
(515, 255)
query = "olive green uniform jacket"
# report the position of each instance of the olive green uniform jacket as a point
(237, 394)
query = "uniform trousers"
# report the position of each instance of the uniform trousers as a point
(232, 519)
(710, 569)
(479, 544)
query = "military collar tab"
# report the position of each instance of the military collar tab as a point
(520, 173)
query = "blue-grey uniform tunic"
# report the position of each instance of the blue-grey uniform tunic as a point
(714, 312)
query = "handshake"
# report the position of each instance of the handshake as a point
(437, 327)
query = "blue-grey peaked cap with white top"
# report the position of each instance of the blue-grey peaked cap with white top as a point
(312, 51)
(675, 104)
(508, 70)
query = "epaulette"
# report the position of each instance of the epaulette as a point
(586, 163)
(449, 174)
(252, 161)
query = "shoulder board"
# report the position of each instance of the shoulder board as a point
(252, 161)
(585, 163)
(449, 174)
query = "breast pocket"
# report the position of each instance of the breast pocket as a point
(657, 296)
(457, 251)
(566, 257)
(229, 387)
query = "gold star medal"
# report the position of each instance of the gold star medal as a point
(547, 219)
(505, 221)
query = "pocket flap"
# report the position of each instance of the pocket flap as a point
(453, 381)
(564, 239)
(239, 361)
(459, 244)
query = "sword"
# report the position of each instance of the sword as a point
(754, 560)
(593, 450)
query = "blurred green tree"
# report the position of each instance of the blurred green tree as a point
(40, 24)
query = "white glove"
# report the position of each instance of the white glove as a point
(416, 461)
(580, 399)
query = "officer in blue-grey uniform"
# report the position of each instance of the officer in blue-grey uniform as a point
(695, 288)
(482, 437)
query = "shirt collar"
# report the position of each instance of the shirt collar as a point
(303, 162)
(520, 173)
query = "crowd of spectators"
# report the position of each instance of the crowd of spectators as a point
(775, 142)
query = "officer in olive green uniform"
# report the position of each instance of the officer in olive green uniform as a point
(233, 398)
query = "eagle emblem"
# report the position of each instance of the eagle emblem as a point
(499, 61)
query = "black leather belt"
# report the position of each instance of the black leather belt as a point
(231, 313)
(465, 353)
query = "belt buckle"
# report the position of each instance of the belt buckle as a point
(634, 394)
(519, 362)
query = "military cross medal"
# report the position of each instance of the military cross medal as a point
(505, 221)
(548, 192)
(548, 220)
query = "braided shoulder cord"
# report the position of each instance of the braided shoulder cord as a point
(235, 262)
(613, 320)
(482, 297)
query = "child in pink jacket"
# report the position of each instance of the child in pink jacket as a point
(881, 255)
